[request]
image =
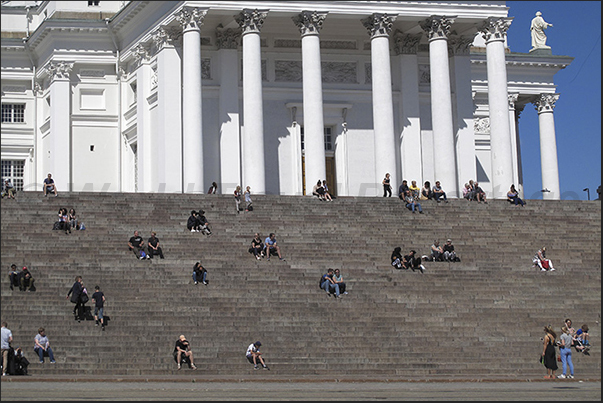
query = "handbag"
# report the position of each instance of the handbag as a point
(84, 297)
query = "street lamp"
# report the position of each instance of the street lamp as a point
(587, 190)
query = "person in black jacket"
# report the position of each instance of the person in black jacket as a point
(76, 292)
(397, 257)
(191, 223)
(26, 280)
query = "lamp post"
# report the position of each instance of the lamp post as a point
(587, 190)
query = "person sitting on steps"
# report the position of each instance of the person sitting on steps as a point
(411, 261)
(182, 348)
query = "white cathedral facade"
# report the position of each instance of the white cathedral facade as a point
(170, 96)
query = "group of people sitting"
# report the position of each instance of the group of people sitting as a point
(21, 279)
(409, 261)
(333, 284)
(413, 262)
(321, 190)
(473, 192)
(265, 249)
(67, 221)
(411, 195)
(444, 253)
(197, 222)
(137, 246)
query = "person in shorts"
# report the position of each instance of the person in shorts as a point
(98, 298)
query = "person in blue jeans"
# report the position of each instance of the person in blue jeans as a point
(565, 351)
(328, 283)
(412, 203)
(199, 274)
(42, 346)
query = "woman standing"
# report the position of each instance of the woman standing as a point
(237, 197)
(76, 291)
(565, 351)
(387, 187)
(548, 352)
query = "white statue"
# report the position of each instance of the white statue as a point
(538, 37)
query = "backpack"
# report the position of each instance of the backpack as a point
(322, 280)
(250, 208)
(142, 254)
(56, 226)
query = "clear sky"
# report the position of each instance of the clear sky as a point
(576, 32)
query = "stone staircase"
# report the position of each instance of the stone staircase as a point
(482, 317)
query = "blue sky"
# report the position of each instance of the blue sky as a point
(576, 32)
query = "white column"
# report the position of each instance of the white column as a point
(545, 104)
(410, 145)
(437, 28)
(309, 24)
(515, 155)
(465, 134)
(168, 157)
(494, 31)
(251, 22)
(230, 137)
(379, 27)
(145, 166)
(191, 20)
(60, 125)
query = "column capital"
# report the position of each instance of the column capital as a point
(379, 24)
(191, 18)
(459, 45)
(60, 70)
(165, 36)
(227, 38)
(545, 102)
(251, 21)
(406, 44)
(495, 29)
(140, 54)
(437, 26)
(309, 22)
(513, 97)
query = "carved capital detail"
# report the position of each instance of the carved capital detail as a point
(406, 44)
(165, 36)
(379, 24)
(546, 102)
(191, 18)
(459, 45)
(495, 29)
(309, 22)
(227, 38)
(140, 53)
(60, 70)
(251, 21)
(437, 26)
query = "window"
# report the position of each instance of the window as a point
(328, 139)
(13, 170)
(93, 3)
(13, 113)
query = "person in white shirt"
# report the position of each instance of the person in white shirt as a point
(253, 355)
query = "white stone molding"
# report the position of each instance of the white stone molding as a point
(481, 125)
(545, 102)
(288, 71)
(38, 89)
(90, 73)
(379, 24)
(227, 38)
(339, 72)
(437, 26)
(309, 22)
(251, 21)
(191, 18)
(513, 97)
(288, 43)
(59, 70)
(406, 44)
(14, 88)
(459, 45)
(495, 29)
(122, 72)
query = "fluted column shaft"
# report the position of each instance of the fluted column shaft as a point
(254, 175)
(309, 24)
(379, 27)
(494, 32)
(437, 28)
(545, 105)
(191, 20)
(145, 168)
(60, 125)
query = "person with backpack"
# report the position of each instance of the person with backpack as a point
(76, 292)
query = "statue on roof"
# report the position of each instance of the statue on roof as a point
(538, 36)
